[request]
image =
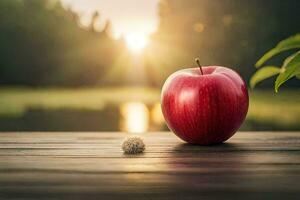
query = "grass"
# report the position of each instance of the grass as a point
(282, 109)
(15, 101)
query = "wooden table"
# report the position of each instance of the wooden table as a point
(251, 165)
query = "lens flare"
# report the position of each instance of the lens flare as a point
(136, 42)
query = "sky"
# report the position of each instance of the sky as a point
(127, 16)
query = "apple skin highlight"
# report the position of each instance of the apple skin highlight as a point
(206, 108)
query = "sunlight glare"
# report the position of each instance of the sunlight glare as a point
(156, 114)
(136, 42)
(135, 117)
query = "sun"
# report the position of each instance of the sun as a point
(136, 42)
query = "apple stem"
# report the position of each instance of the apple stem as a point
(199, 65)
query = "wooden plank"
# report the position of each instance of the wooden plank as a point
(79, 165)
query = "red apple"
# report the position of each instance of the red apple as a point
(204, 105)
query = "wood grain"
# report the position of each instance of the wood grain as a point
(78, 165)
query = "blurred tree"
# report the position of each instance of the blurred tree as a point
(42, 44)
(94, 21)
(234, 33)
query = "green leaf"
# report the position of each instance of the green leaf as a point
(288, 59)
(298, 73)
(291, 68)
(287, 44)
(262, 74)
